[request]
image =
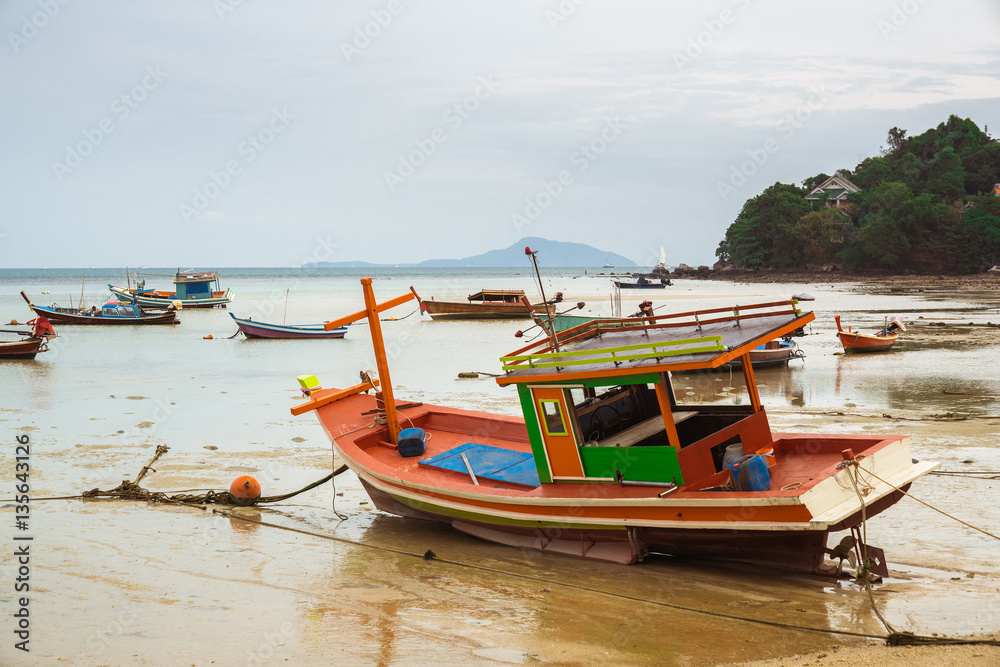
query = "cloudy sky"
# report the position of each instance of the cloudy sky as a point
(252, 133)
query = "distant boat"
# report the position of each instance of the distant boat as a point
(252, 329)
(485, 305)
(109, 313)
(772, 353)
(192, 290)
(880, 341)
(607, 262)
(643, 283)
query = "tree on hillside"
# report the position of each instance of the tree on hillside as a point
(945, 176)
(978, 241)
(872, 171)
(810, 183)
(982, 168)
(761, 236)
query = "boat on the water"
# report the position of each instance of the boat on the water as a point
(773, 353)
(252, 329)
(30, 343)
(498, 304)
(109, 313)
(191, 290)
(880, 341)
(642, 282)
(608, 461)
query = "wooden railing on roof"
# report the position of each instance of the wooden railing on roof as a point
(541, 353)
(615, 355)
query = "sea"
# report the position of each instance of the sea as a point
(118, 582)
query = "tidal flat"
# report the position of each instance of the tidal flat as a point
(324, 577)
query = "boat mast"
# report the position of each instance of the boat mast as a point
(548, 314)
(378, 343)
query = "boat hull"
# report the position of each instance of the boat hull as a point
(21, 349)
(651, 285)
(782, 527)
(455, 310)
(264, 331)
(160, 299)
(57, 316)
(856, 342)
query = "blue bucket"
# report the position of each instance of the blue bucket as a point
(750, 474)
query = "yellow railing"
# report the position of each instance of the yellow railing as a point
(616, 355)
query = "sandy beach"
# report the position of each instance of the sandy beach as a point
(127, 582)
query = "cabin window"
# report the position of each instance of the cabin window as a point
(553, 418)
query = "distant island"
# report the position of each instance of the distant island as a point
(928, 204)
(551, 253)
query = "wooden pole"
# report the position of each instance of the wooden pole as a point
(378, 344)
(285, 316)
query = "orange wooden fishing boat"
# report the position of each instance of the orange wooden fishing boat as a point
(880, 341)
(608, 461)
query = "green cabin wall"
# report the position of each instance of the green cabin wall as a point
(640, 464)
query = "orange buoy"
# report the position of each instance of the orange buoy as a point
(208, 337)
(245, 490)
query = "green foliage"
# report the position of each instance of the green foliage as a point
(761, 235)
(908, 216)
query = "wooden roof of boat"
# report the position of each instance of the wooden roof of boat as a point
(487, 293)
(197, 277)
(683, 341)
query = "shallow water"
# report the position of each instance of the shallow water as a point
(118, 582)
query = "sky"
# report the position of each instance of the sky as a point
(248, 133)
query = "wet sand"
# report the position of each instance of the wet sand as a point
(118, 582)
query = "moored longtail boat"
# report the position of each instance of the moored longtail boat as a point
(252, 329)
(485, 305)
(854, 341)
(608, 462)
(107, 314)
(31, 342)
(191, 290)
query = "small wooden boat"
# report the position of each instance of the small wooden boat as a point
(608, 461)
(773, 353)
(642, 282)
(31, 342)
(252, 329)
(880, 341)
(485, 305)
(191, 290)
(108, 314)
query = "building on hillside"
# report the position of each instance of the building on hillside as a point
(834, 190)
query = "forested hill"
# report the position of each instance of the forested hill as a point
(925, 205)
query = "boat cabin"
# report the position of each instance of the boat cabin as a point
(196, 285)
(121, 310)
(599, 405)
(497, 296)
